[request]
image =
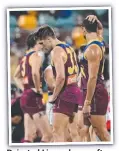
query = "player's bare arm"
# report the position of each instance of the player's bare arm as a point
(18, 78)
(93, 55)
(35, 62)
(100, 28)
(57, 57)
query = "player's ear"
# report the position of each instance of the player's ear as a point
(49, 38)
(84, 30)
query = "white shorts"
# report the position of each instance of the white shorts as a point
(47, 68)
(49, 112)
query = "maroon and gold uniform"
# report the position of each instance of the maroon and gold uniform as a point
(69, 98)
(31, 102)
(100, 98)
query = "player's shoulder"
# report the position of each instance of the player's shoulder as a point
(57, 50)
(22, 58)
(93, 52)
(35, 55)
(93, 48)
(35, 58)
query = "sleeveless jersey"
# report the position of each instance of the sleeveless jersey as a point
(84, 66)
(26, 71)
(71, 66)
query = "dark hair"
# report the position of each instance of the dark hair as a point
(44, 32)
(31, 40)
(90, 27)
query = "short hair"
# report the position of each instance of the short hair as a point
(31, 40)
(90, 27)
(45, 31)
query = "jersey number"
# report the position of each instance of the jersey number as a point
(73, 68)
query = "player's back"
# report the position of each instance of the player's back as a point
(31, 102)
(71, 66)
(84, 65)
(26, 70)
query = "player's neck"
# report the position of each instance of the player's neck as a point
(56, 42)
(32, 49)
(91, 37)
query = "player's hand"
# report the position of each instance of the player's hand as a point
(40, 91)
(52, 100)
(86, 111)
(92, 18)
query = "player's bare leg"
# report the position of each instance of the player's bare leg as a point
(82, 129)
(80, 119)
(29, 127)
(42, 124)
(99, 122)
(67, 134)
(80, 124)
(84, 134)
(60, 123)
(92, 134)
(73, 128)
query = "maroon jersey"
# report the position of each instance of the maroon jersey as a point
(26, 71)
(84, 66)
(71, 66)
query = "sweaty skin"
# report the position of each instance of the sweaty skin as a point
(57, 57)
(93, 55)
(18, 78)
